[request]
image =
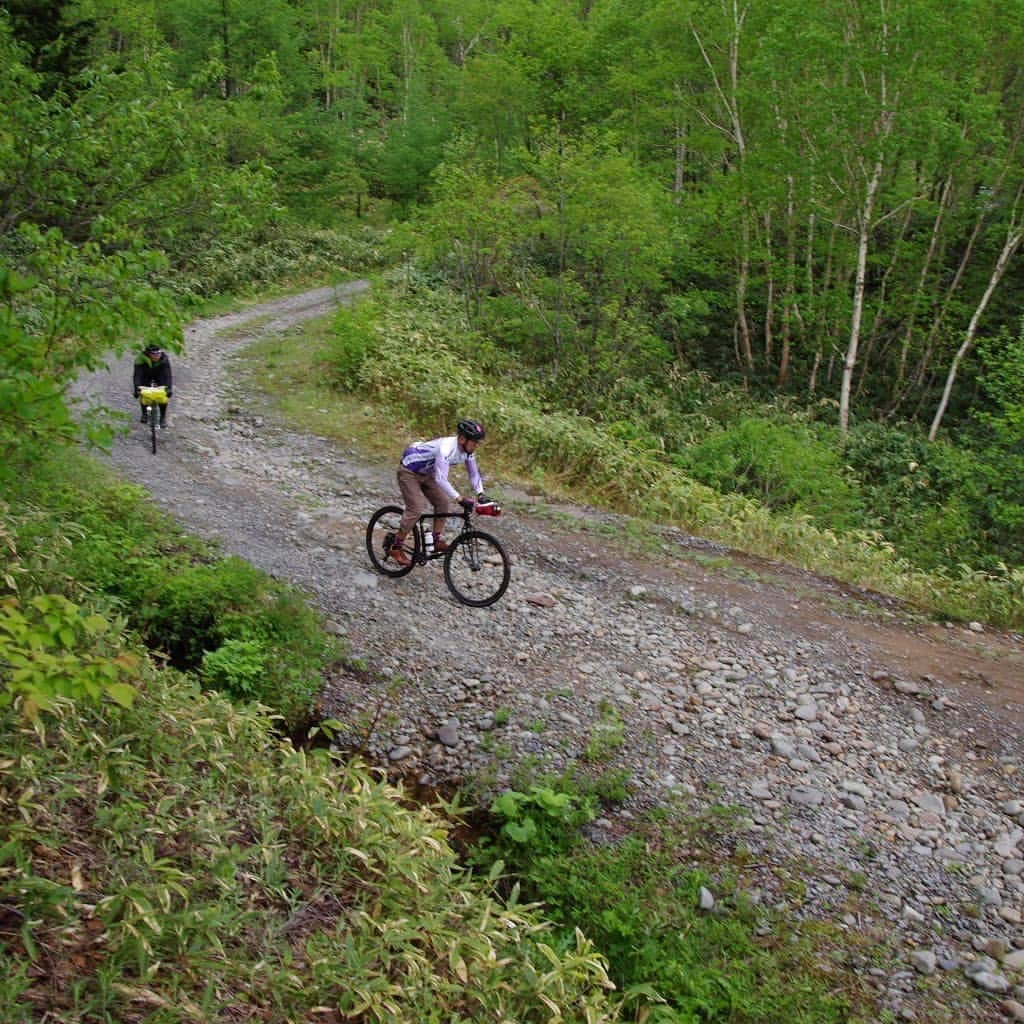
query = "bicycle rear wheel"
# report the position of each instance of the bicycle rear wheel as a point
(380, 533)
(476, 568)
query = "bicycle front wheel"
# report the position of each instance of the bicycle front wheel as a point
(380, 534)
(476, 568)
(154, 413)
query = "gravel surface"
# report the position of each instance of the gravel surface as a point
(877, 761)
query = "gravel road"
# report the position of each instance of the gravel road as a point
(878, 761)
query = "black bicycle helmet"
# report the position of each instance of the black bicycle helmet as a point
(152, 350)
(471, 430)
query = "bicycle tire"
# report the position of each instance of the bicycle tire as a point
(153, 416)
(383, 524)
(477, 569)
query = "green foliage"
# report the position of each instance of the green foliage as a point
(52, 648)
(545, 819)
(673, 960)
(351, 342)
(187, 861)
(236, 667)
(944, 505)
(401, 168)
(1003, 382)
(237, 626)
(783, 466)
(642, 903)
(220, 616)
(558, 262)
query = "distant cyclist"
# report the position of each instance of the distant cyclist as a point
(423, 479)
(153, 369)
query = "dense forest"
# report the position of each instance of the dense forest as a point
(776, 245)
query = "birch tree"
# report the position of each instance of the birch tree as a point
(1011, 243)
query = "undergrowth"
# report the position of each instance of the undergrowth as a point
(167, 857)
(639, 898)
(175, 862)
(85, 536)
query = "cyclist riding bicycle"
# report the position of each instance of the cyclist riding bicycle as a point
(423, 478)
(153, 368)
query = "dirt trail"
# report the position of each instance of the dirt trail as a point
(857, 738)
(986, 666)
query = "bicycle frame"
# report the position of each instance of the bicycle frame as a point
(477, 568)
(425, 522)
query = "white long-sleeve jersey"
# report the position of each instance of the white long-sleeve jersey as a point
(437, 457)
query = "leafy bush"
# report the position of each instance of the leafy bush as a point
(52, 648)
(189, 865)
(90, 536)
(942, 504)
(352, 341)
(642, 904)
(236, 668)
(544, 819)
(784, 466)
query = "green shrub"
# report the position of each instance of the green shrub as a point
(89, 536)
(783, 466)
(352, 341)
(185, 611)
(943, 505)
(196, 612)
(52, 648)
(189, 864)
(641, 902)
(237, 668)
(543, 820)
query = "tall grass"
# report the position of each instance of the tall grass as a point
(175, 862)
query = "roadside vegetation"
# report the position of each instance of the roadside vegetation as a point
(173, 860)
(92, 540)
(171, 854)
(178, 847)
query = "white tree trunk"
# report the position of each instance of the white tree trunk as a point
(857, 316)
(1013, 239)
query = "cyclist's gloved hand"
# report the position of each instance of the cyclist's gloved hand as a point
(467, 503)
(135, 392)
(170, 392)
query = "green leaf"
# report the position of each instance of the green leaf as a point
(520, 832)
(122, 694)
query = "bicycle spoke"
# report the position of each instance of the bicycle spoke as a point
(380, 534)
(476, 569)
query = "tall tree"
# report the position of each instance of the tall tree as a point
(1011, 244)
